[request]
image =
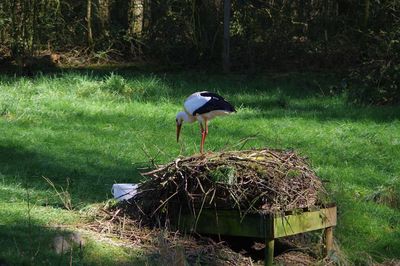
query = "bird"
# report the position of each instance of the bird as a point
(202, 107)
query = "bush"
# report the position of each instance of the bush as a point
(115, 84)
(379, 83)
(378, 76)
(141, 88)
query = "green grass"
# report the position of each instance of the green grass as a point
(90, 129)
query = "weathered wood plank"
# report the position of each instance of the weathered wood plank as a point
(229, 222)
(304, 222)
(226, 222)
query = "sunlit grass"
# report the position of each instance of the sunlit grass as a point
(91, 129)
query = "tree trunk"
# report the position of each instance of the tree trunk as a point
(104, 16)
(34, 30)
(137, 12)
(89, 24)
(226, 43)
(15, 46)
(146, 14)
(366, 13)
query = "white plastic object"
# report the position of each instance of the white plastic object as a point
(124, 191)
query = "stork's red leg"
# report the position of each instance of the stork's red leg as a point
(206, 130)
(204, 134)
(203, 137)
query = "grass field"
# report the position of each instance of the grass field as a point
(87, 129)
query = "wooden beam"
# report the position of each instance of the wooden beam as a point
(229, 222)
(225, 222)
(304, 222)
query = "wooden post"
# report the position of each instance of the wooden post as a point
(226, 43)
(328, 239)
(269, 252)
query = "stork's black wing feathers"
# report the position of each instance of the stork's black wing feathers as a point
(211, 94)
(216, 102)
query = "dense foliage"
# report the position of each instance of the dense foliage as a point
(276, 34)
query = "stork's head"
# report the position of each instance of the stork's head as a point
(180, 117)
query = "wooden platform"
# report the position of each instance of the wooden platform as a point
(267, 226)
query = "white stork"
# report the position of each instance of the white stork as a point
(202, 106)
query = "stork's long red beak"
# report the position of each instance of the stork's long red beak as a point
(178, 131)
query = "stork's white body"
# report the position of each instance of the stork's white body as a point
(202, 107)
(194, 102)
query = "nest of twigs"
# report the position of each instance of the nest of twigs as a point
(264, 181)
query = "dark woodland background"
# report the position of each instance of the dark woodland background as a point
(356, 37)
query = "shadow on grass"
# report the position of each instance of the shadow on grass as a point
(323, 112)
(31, 244)
(87, 184)
(28, 244)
